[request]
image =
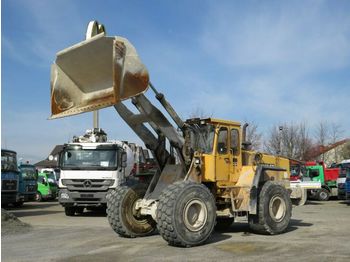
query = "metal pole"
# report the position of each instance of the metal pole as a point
(94, 28)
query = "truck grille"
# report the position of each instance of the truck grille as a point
(87, 184)
(9, 185)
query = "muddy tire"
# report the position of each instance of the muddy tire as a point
(122, 217)
(274, 210)
(323, 194)
(186, 214)
(223, 223)
(69, 211)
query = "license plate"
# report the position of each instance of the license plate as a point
(86, 195)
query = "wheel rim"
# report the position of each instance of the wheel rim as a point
(277, 208)
(195, 215)
(323, 195)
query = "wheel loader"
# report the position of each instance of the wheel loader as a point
(207, 173)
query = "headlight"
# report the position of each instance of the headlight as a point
(64, 196)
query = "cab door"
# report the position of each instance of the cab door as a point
(235, 155)
(222, 161)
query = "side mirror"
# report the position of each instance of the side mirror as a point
(123, 160)
(44, 181)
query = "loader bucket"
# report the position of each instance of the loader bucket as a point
(96, 73)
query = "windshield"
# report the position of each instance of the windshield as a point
(28, 173)
(93, 159)
(202, 138)
(344, 170)
(8, 161)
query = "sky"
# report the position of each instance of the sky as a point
(268, 62)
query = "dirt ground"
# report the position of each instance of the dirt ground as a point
(319, 231)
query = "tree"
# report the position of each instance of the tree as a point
(289, 140)
(322, 135)
(253, 136)
(336, 133)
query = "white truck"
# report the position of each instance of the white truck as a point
(90, 167)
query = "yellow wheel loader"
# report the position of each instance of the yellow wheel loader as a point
(207, 173)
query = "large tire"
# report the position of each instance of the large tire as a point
(121, 214)
(186, 214)
(274, 210)
(223, 223)
(70, 211)
(323, 194)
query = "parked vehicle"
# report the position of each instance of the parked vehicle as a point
(47, 186)
(209, 174)
(300, 183)
(347, 185)
(28, 182)
(317, 171)
(10, 179)
(91, 167)
(344, 167)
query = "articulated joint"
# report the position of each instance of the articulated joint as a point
(147, 207)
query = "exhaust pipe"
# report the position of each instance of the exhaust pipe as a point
(94, 74)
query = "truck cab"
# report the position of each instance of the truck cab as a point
(47, 186)
(317, 171)
(10, 179)
(28, 181)
(90, 168)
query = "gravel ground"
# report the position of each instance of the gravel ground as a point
(319, 231)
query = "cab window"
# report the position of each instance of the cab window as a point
(234, 141)
(222, 141)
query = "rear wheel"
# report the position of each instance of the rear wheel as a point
(323, 194)
(122, 215)
(186, 214)
(69, 211)
(274, 210)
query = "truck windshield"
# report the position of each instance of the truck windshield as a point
(202, 138)
(90, 159)
(344, 170)
(8, 161)
(28, 173)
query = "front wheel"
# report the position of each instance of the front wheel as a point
(186, 214)
(38, 197)
(323, 194)
(124, 219)
(274, 210)
(69, 211)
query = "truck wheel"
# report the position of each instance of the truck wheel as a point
(69, 211)
(121, 214)
(18, 204)
(223, 223)
(274, 210)
(79, 210)
(38, 197)
(323, 194)
(186, 214)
